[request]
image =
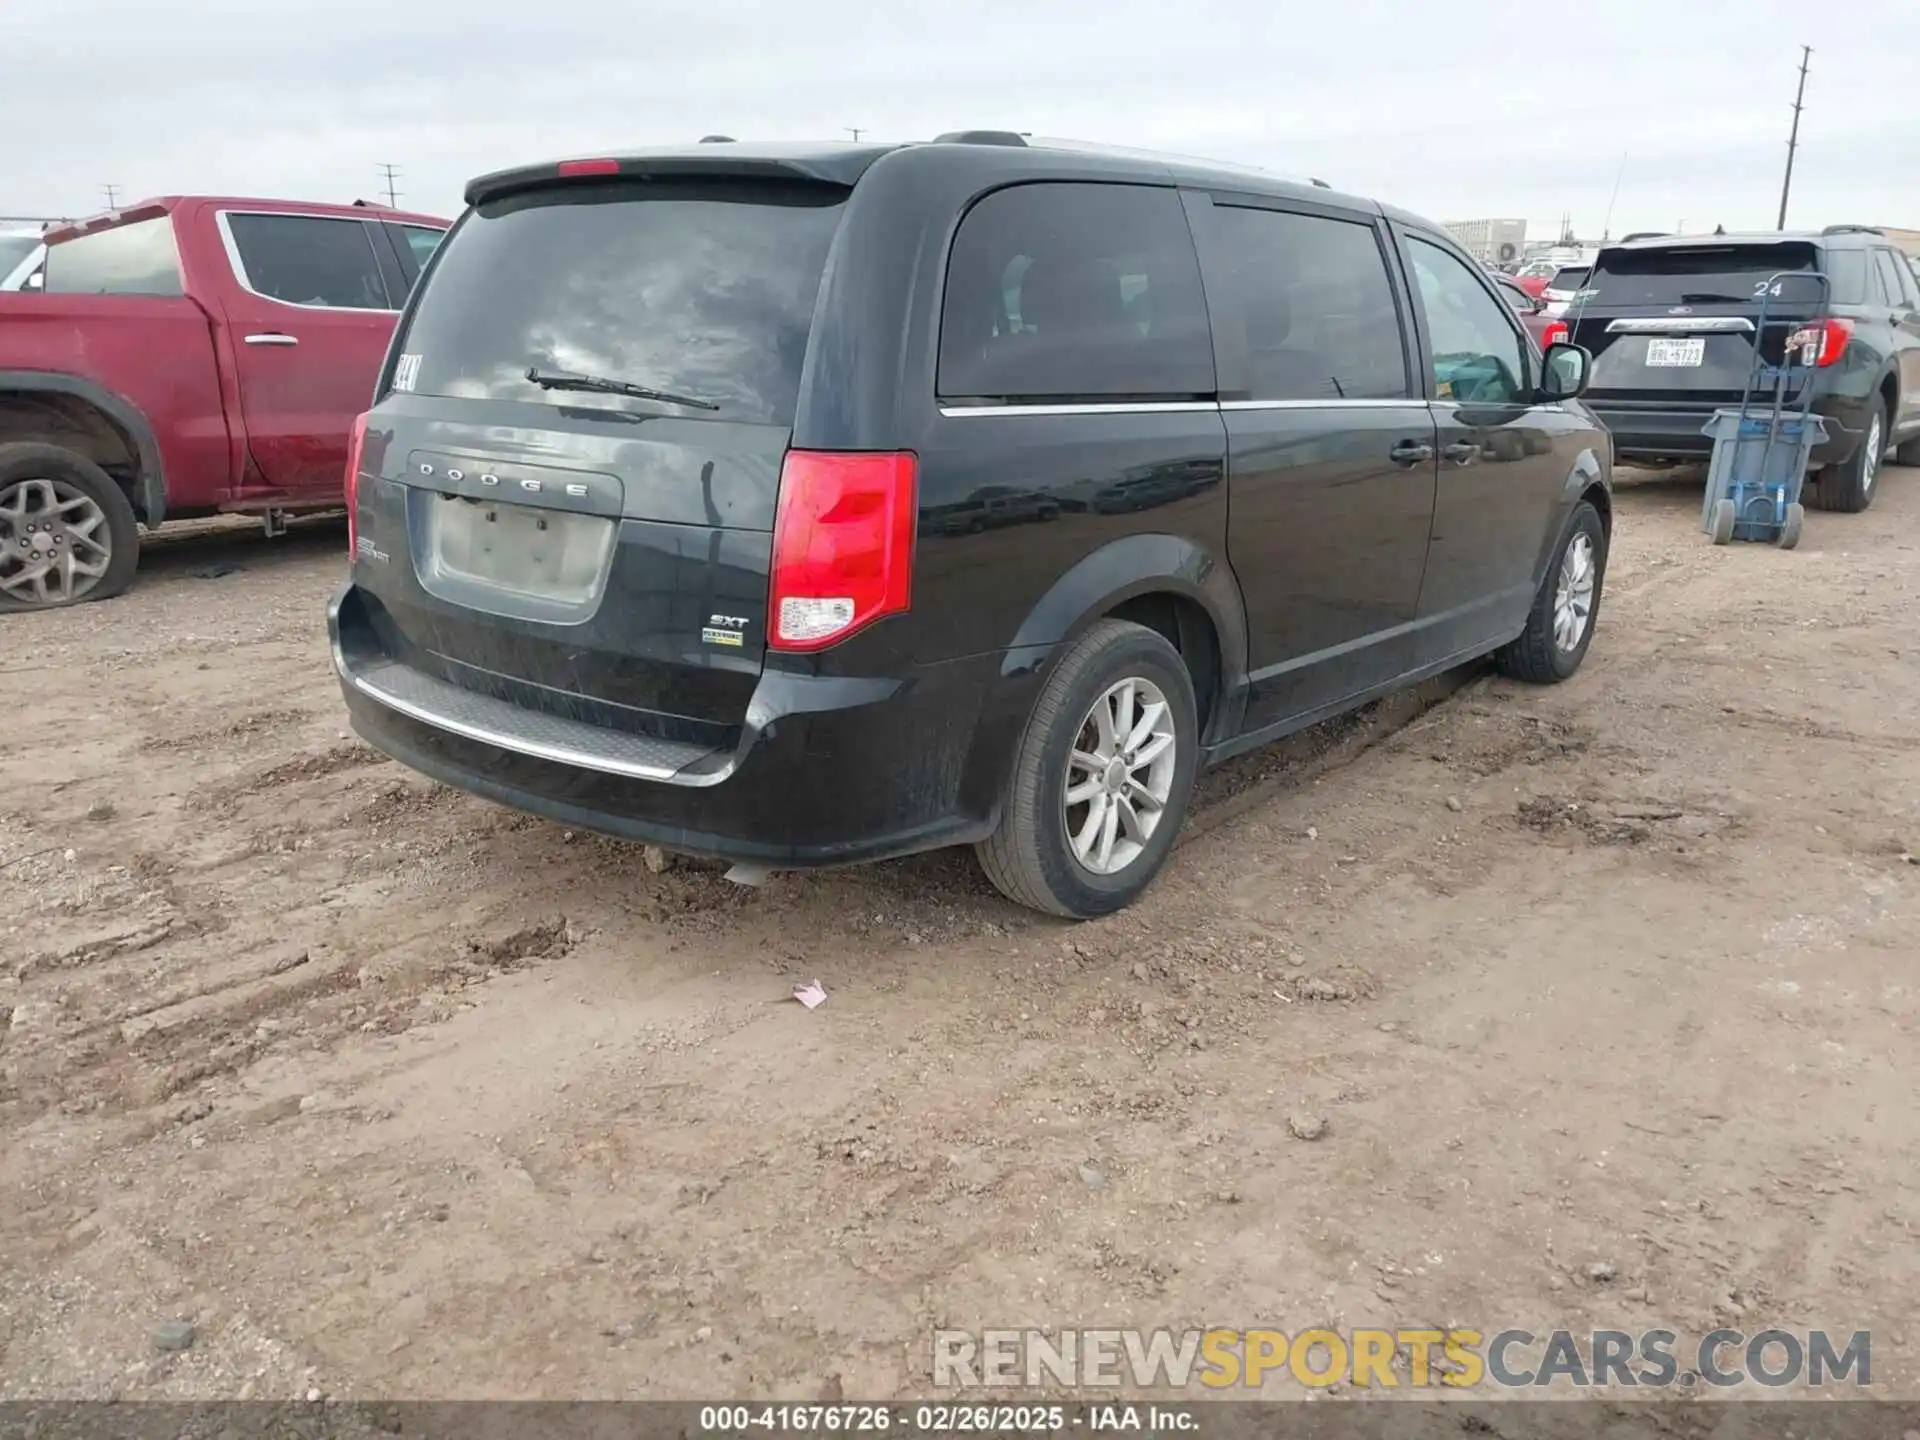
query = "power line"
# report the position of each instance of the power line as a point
(1793, 137)
(389, 174)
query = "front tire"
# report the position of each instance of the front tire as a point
(1560, 625)
(67, 532)
(1101, 780)
(1849, 488)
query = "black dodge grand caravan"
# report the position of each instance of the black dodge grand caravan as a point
(810, 505)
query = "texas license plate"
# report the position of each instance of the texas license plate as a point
(1676, 352)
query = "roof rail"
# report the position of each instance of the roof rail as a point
(716, 140)
(1645, 235)
(1852, 230)
(981, 137)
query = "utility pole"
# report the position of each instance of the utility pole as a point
(388, 175)
(1793, 138)
(855, 131)
(112, 192)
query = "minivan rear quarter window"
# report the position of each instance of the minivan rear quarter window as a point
(1696, 274)
(1313, 296)
(1068, 290)
(703, 288)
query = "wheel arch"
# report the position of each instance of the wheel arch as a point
(1170, 584)
(81, 415)
(1586, 479)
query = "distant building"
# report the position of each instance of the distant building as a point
(1498, 242)
(1907, 240)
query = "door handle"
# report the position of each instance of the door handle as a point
(1410, 453)
(1462, 452)
(272, 339)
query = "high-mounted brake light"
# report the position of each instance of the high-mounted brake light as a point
(842, 545)
(356, 444)
(1556, 333)
(589, 167)
(1830, 336)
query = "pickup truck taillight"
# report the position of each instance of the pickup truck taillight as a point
(1831, 336)
(1556, 333)
(842, 545)
(356, 443)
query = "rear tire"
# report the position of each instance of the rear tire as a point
(1907, 452)
(1790, 527)
(67, 531)
(1032, 856)
(1849, 488)
(1558, 630)
(1723, 518)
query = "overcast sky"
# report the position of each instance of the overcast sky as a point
(1458, 110)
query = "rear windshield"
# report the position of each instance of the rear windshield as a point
(1695, 274)
(704, 288)
(1568, 277)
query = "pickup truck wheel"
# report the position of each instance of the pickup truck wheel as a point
(67, 532)
(1560, 625)
(1849, 488)
(1101, 780)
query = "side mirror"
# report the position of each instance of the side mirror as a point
(1565, 372)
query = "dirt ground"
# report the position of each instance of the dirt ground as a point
(393, 1093)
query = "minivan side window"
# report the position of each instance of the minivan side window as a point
(1317, 304)
(1477, 357)
(309, 260)
(1069, 290)
(136, 259)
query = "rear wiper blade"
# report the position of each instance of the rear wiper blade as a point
(1709, 297)
(598, 385)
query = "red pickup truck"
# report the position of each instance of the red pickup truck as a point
(184, 357)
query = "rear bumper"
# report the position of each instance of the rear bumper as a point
(829, 770)
(1649, 431)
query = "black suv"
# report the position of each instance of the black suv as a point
(1671, 325)
(804, 506)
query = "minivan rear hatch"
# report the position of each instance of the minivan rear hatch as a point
(568, 494)
(1679, 322)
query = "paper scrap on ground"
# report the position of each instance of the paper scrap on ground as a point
(811, 996)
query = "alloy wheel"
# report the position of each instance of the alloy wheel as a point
(1119, 776)
(1573, 594)
(55, 544)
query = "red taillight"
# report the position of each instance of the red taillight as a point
(589, 167)
(356, 443)
(842, 545)
(1556, 333)
(1830, 336)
